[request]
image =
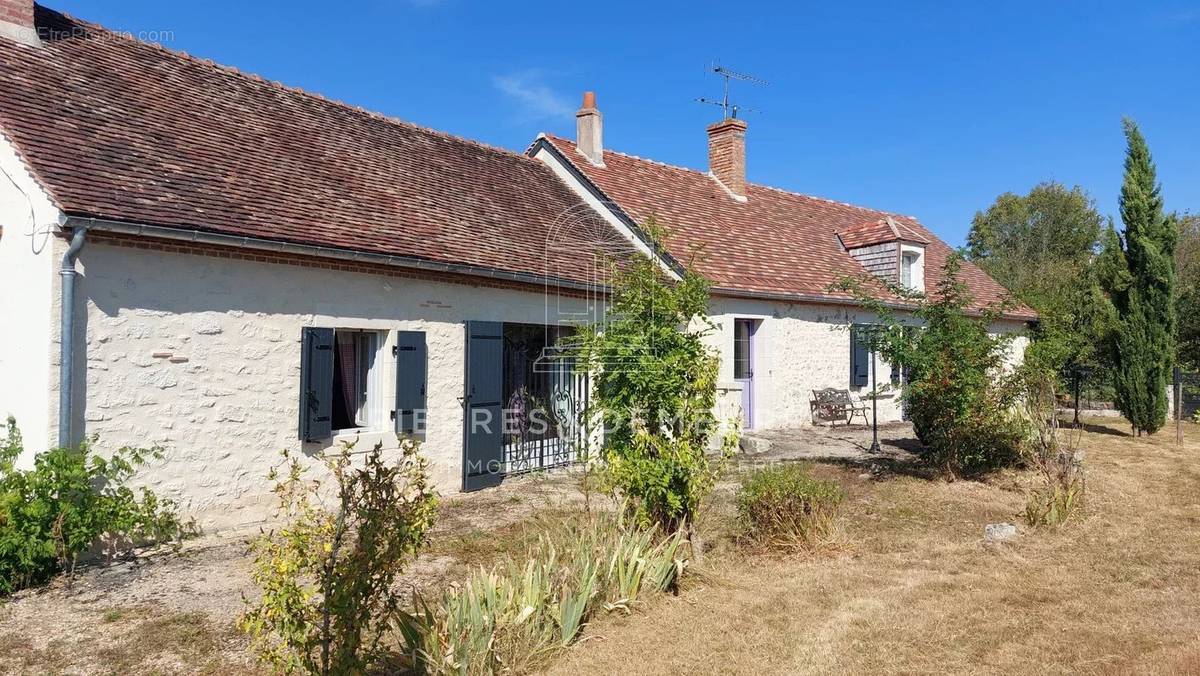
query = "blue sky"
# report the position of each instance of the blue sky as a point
(929, 109)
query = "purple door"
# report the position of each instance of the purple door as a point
(743, 366)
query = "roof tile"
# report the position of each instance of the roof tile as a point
(119, 129)
(776, 242)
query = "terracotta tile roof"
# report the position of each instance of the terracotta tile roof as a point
(122, 130)
(877, 231)
(775, 243)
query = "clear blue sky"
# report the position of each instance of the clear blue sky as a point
(929, 109)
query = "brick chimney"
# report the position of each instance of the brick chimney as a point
(727, 155)
(589, 129)
(16, 21)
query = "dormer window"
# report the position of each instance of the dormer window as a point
(887, 251)
(907, 261)
(912, 267)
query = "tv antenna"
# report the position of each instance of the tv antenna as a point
(730, 109)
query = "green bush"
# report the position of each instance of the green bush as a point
(655, 381)
(965, 431)
(327, 574)
(961, 395)
(663, 478)
(69, 502)
(784, 507)
(512, 617)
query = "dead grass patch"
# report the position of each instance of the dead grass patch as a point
(135, 640)
(916, 590)
(909, 586)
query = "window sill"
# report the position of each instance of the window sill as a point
(364, 439)
(356, 431)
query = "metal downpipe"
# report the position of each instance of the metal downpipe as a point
(66, 359)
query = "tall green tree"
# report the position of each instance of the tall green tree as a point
(1138, 270)
(1187, 291)
(1041, 246)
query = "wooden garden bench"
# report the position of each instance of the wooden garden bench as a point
(832, 404)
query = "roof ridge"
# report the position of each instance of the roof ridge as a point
(828, 200)
(757, 185)
(229, 70)
(635, 157)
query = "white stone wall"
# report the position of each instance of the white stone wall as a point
(201, 355)
(28, 312)
(1016, 350)
(799, 348)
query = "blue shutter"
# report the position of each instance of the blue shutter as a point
(316, 384)
(860, 364)
(483, 453)
(411, 360)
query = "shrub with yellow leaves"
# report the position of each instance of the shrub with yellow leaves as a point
(327, 572)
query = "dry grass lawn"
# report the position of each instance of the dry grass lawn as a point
(174, 613)
(910, 585)
(913, 587)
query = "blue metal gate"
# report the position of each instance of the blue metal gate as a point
(524, 406)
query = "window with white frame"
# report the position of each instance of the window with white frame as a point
(912, 268)
(342, 385)
(355, 393)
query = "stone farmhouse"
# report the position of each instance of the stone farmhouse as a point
(200, 259)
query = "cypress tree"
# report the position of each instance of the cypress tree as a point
(1140, 275)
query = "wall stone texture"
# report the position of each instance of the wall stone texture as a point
(799, 348)
(201, 355)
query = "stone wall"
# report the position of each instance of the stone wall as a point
(800, 348)
(201, 355)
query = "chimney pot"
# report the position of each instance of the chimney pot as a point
(727, 155)
(16, 21)
(589, 130)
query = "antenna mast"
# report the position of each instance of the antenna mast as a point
(730, 109)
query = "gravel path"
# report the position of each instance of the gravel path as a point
(844, 443)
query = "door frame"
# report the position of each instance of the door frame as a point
(748, 388)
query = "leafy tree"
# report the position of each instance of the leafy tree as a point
(1187, 287)
(1023, 239)
(961, 393)
(655, 388)
(1040, 246)
(1138, 271)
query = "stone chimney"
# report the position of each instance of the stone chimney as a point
(589, 129)
(727, 155)
(16, 21)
